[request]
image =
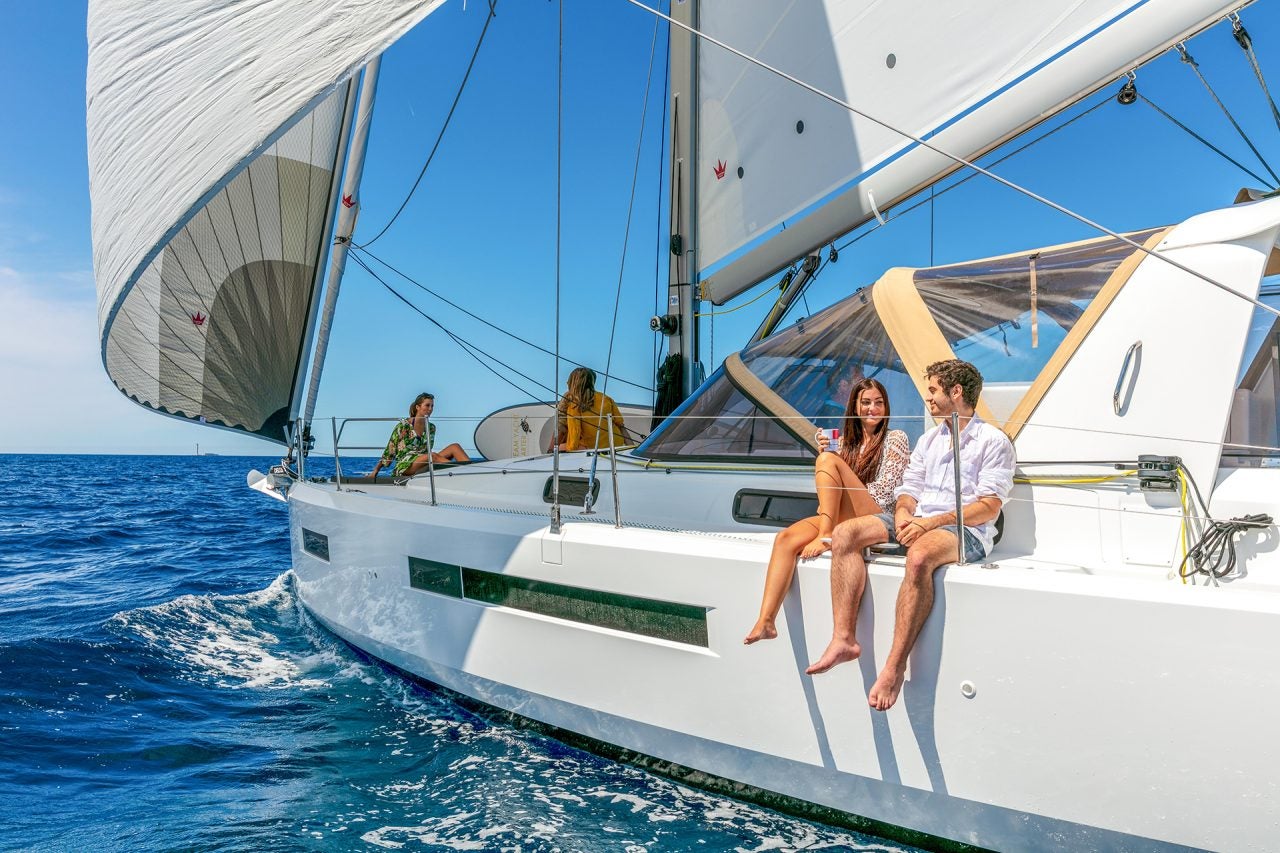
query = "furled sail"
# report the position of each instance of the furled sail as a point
(214, 135)
(964, 76)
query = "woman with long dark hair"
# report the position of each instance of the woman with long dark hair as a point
(858, 479)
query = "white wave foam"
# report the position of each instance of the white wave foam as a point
(233, 639)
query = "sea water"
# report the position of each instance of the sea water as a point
(161, 688)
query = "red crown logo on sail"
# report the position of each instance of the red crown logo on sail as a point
(720, 167)
(198, 318)
(348, 201)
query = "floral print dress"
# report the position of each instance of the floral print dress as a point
(406, 445)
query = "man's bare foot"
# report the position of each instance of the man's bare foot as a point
(837, 652)
(819, 545)
(764, 630)
(885, 691)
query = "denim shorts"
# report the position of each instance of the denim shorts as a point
(973, 550)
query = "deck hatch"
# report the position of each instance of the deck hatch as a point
(442, 578)
(776, 509)
(573, 490)
(315, 544)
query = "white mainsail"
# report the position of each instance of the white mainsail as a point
(965, 76)
(214, 130)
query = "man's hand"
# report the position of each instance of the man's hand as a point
(915, 527)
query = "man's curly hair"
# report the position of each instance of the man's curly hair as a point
(953, 372)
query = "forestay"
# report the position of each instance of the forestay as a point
(964, 76)
(214, 137)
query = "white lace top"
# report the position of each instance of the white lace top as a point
(895, 453)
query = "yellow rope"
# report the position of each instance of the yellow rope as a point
(739, 308)
(1073, 481)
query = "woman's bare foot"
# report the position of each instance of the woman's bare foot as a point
(886, 689)
(820, 544)
(838, 652)
(764, 630)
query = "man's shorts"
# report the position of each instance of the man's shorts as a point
(973, 550)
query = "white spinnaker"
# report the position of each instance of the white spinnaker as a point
(989, 67)
(195, 108)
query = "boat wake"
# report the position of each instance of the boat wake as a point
(261, 639)
(431, 772)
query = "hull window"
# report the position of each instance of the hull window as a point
(775, 509)
(664, 620)
(315, 544)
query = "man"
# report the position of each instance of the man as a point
(840, 382)
(924, 520)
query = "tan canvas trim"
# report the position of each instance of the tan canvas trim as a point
(768, 399)
(1027, 253)
(1088, 319)
(912, 329)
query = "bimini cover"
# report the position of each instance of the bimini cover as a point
(213, 134)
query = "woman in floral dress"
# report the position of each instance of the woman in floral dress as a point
(412, 439)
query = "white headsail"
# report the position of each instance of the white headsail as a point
(214, 131)
(965, 76)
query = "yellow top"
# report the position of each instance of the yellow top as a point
(584, 427)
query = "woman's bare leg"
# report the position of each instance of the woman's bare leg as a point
(417, 465)
(453, 453)
(836, 485)
(782, 565)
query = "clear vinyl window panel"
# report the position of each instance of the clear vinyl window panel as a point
(984, 311)
(720, 422)
(1253, 431)
(814, 363)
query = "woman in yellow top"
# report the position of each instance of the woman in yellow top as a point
(584, 415)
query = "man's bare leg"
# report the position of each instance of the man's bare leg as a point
(915, 599)
(848, 581)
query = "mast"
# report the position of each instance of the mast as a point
(346, 225)
(682, 295)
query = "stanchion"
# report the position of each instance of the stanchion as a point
(955, 456)
(613, 475)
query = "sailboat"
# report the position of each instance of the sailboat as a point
(1088, 686)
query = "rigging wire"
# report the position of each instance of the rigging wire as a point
(1206, 142)
(440, 137)
(631, 204)
(1190, 62)
(478, 318)
(555, 432)
(933, 196)
(956, 158)
(657, 253)
(470, 349)
(1241, 35)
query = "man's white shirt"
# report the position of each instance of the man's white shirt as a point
(986, 469)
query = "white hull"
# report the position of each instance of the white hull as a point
(1110, 709)
(1070, 692)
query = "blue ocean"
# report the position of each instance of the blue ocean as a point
(161, 688)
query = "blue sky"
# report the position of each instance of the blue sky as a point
(481, 228)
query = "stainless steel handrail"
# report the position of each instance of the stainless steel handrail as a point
(955, 458)
(613, 474)
(1135, 347)
(431, 462)
(337, 460)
